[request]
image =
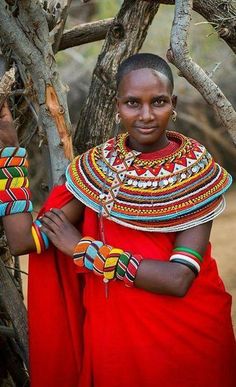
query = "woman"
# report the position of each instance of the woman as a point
(143, 204)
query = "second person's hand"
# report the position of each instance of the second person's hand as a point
(8, 134)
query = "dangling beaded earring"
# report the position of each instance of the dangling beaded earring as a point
(117, 121)
(174, 115)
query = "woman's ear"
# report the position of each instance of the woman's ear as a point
(117, 103)
(174, 100)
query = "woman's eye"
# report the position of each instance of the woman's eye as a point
(159, 102)
(132, 103)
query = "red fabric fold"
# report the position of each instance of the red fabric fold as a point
(55, 312)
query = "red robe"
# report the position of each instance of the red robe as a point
(78, 337)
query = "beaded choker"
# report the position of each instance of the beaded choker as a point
(170, 193)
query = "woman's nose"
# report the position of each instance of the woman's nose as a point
(146, 113)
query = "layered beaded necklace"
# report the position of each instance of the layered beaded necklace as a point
(154, 191)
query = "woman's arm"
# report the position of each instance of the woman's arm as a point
(18, 227)
(169, 277)
(155, 276)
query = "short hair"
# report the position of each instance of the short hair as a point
(141, 61)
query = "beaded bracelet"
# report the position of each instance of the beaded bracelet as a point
(10, 172)
(16, 182)
(122, 265)
(16, 207)
(12, 151)
(13, 162)
(45, 240)
(14, 194)
(131, 270)
(100, 259)
(40, 238)
(106, 261)
(189, 252)
(187, 257)
(91, 253)
(80, 250)
(111, 263)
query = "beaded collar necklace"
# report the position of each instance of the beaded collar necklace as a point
(184, 145)
(172, 193)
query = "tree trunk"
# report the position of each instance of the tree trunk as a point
(26, 33)
(124, 38)
(12, 306)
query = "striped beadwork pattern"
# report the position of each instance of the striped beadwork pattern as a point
(111, 263)
(188, 257)
(91, 253)
(165, 194)
(132, 269)
(15, 207)
(104, 260)
(11, 195)
(100, 259)
(80, 250)
(14, 191)
(40, 238)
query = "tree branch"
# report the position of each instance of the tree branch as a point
(221, 14)
(57, 31)
(178, 54)
(85, 33)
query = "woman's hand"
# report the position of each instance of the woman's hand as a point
(60, 231)
(8, 135)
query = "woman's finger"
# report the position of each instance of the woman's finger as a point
(50, 234)
(51, 222)
(60, 214)
(53, 217)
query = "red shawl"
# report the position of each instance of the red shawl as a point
(55, 312)
(133, 338)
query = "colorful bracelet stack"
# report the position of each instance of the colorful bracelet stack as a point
(188, 257)
(107, 261)
(40, 238)
(14, 184)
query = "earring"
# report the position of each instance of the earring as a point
(117, 118)
(117, 121)
(174, 115)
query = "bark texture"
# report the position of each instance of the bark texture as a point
(11, 305)
(85, 33)
(26, 33)
(124, 38)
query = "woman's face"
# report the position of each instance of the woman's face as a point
(145, 104)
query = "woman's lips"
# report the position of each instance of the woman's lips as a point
(146, 130)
